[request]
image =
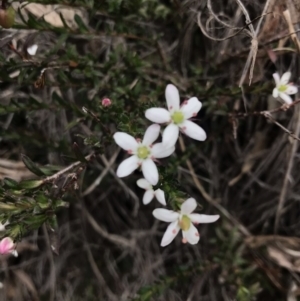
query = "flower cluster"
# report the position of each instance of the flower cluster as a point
(145, 153)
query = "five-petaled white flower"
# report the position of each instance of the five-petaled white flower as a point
(143, 153)
(150, 193)
(183, 220)
(283, 88)
(177, 117)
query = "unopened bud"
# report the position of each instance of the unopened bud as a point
(7, 246)
(7, 17)
(106, 102)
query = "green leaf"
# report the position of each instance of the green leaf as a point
(31, 166)
(64, 21)
(10, 183)
(80, 23)
(30, 184)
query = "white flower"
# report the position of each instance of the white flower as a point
(177, 117)
(2, 226)
(143, 153)
(183, 220)
(283, 88)
(32, 49)
(150, 193)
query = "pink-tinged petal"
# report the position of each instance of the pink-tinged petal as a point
(191, 236)
(160, 196)
(286, 98)
(170, 135)
(158, 115)
(150, 171)
(188, 206)
(291, 89)
(275, 93)
(191, 107)
(172, 97)
(151, 134)
(6, 245)
(160, 150)
(203, 218)
(193, 130)
(143, 183)
(148, 196)
(276, 78)
(128, 166)
(285, 78)
(170, 234)
(165, 215)
(125, 141)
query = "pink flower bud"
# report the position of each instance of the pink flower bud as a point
(106, 102)
(7, 246)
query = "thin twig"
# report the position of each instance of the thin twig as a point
(113, 238)
(123, 185)
(282, 108)
(102, 175)
(51, 263)
(287, 176)
(65, 170)
(267, 115)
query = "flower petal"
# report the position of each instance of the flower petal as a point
(160, 150)
(285, 78)
(170, 135)
(165, 215)
(143, 183)
(125, 141)
(203, 218)
(160, 196)
(128, 166)
(193, 130)
(6, 245)
(14, 253)
(275, 93)
(158, 115)
(148, 196)
(291, 89)
(32, 49)
(150, 171)
(170, 234)
(191, 235)
(172, 97)
(191, 107)
(151, 134)
(276, 78)
(286, 98)
(188, 206)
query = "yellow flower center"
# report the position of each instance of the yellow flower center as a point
(177, 117)
(185, 223)
(143, 152)
(282, 88)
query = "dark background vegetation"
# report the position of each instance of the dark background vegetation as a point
(108, 242)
